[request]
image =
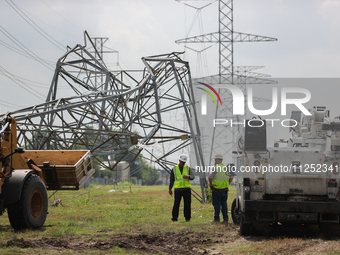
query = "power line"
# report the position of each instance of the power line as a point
(202, 60)
(20, 83)
(61, 15)
(33, 83)
(54, 28)
(25, 49)
(37, 84)
(35, 26)
(7, 104)
(22, 52)
(14, 49)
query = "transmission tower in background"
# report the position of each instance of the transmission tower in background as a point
(99, 48)
(225, 138)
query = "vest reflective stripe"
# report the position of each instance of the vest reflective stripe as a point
(221, 180)
(179, 181)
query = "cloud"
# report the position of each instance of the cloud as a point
(331, 3)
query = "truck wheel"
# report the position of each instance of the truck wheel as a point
(245, 229)
(235, 214)
(31, 210)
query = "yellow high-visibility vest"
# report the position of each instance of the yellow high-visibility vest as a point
(221, 179)
(179, 181)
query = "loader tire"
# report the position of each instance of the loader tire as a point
(31, 210)
(235, 214)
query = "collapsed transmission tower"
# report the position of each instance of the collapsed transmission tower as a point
(116, 114)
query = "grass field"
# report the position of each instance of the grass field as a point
(136, 220)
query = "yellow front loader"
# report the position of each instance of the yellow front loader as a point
(25, 177)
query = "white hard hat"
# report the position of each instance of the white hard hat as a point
(183, 158)
(219, 156)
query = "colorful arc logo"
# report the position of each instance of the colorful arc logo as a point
(204, 97)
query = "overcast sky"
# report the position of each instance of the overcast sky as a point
(307, 32)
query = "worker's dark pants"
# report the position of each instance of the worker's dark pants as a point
(186, 194)
(220, 204)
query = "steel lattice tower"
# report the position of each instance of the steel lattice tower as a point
(120, 113)
(228, 74)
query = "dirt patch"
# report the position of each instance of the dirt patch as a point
(183, 242)
(215, 239)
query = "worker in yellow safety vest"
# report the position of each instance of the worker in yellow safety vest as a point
(219, 184)
(180, 177)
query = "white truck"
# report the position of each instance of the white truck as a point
(296, 184)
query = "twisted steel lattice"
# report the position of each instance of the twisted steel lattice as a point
(114, 112)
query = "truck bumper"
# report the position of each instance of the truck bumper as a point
(289, 211)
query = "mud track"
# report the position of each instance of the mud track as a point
(183, 242)
(217, 239)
